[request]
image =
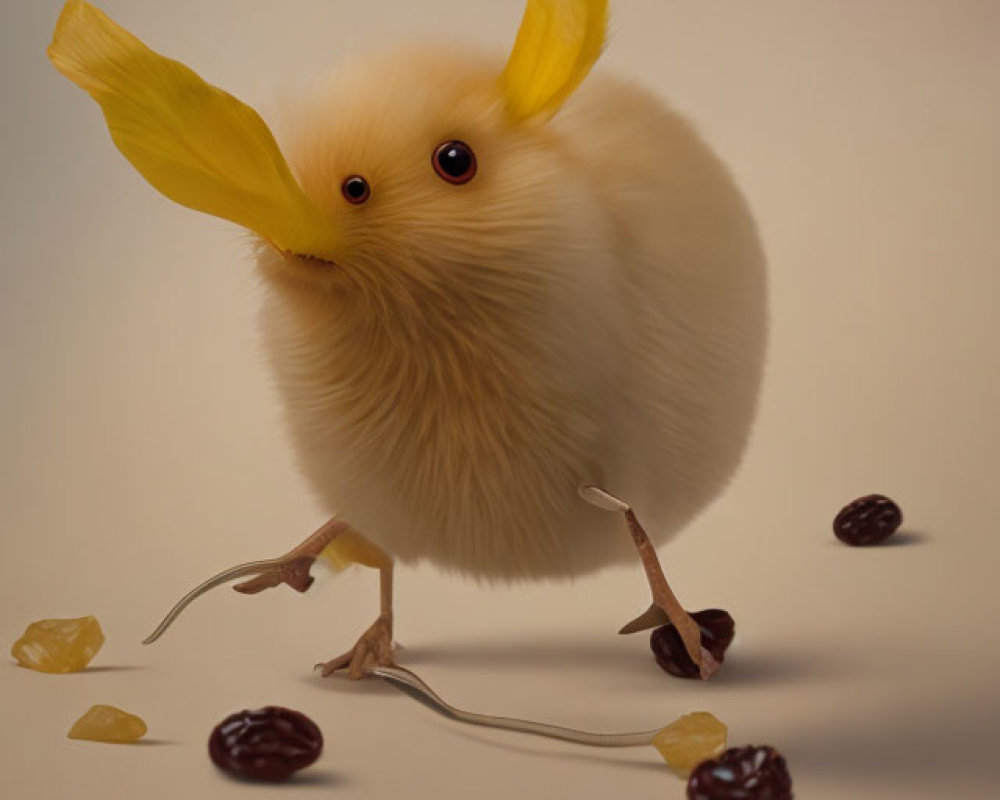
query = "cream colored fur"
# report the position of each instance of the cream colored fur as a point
(589, 308)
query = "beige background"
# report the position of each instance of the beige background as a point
(142, 448)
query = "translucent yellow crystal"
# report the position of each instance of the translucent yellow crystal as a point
(351, 548)
(688, 741)
(108, 724)
(59, 645)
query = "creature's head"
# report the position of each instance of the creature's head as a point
(410, 168)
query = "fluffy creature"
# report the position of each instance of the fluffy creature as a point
(497, 290)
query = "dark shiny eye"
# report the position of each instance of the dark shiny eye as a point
(455, 162)
(355, 189)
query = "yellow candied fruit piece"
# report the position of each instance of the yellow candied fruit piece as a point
(688, 741)
(59, 645)
(108, 724)
(352, 548)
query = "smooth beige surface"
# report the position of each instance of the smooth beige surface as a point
(142, 446)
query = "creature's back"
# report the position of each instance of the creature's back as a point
(693, 290)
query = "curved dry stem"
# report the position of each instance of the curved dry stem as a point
(412, 685)
(227, 575)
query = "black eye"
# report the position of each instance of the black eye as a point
(355, 189)
(455, 162)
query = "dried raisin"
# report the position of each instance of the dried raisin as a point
(688, 741)
(59, 645)
(868, 520)
(268, 744)
(742, 773)
(717, 630)
(108, 724)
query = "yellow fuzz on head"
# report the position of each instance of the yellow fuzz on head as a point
(558, 43)
(195, 143)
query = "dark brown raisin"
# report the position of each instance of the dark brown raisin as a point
(868, 520)
(268, 744)
(742, 773)
(717, 629)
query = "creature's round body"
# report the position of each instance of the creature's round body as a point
(590, 308)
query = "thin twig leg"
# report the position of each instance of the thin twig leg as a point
(374, 647)
(665, 605)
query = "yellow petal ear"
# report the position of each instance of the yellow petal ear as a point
(559, 41)
(195, 143)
